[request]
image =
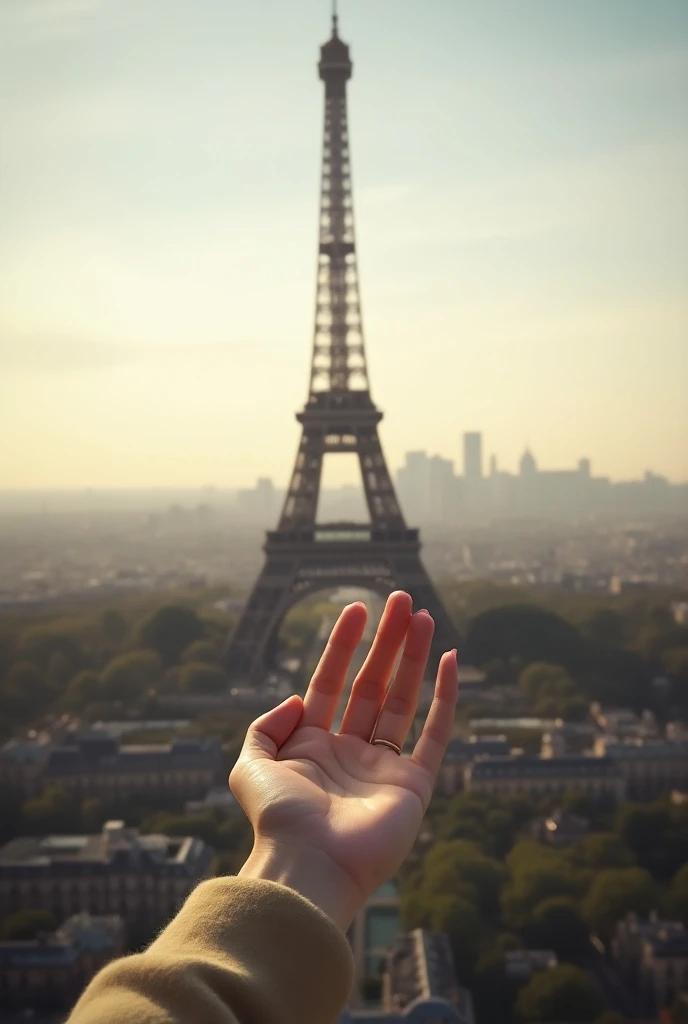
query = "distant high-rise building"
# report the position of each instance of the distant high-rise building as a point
(260, 502)
(413, 484)
(473, 456)
(528, 465)
(442, 489)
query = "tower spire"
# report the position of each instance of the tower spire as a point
(335, 19)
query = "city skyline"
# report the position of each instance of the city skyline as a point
(520, 206)
(490, 462)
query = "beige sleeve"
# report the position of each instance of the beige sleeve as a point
(239, 951)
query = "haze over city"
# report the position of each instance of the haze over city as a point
(522, 220)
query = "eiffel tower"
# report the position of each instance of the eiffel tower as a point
(303, 556)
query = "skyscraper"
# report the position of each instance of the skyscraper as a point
(473, 457)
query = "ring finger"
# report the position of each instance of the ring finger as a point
(401, 700)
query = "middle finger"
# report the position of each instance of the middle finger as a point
(369, 686)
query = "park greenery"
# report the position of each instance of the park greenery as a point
(477, 874)
(492, 888)
(560, 650)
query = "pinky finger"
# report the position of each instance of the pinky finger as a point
(439, 725)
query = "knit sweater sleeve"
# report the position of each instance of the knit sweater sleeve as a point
(240, 951)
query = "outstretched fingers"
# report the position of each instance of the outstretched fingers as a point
(439, 724)
(370, 685)
(324, 690)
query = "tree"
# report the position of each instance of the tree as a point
(552, 692)
(23, 692)
(26, 924)
(204, 826)
(8, 650)
(533, 885)
(564, 993)
(678, 895)
(537, 873)
(38, 643)
(657, 834)
(603, 850)
(675, 664)
(528, 853)
(605, 627)
(170, 630)
(54, 811)
(10, 814)
(613, 893)
(197, 677)
(524, 631)
(500, 831)
(459, 866)
(84, 688)
(611, 1017)
(558, 924)
(459, 919)
(128, 676)
(93, 814)
(59, 671)
(600, 809)
(114, 626)
(201, 650)
(541, 679)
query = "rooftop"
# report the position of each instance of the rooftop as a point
(115, 843)
(531, 767)
(646, 749)
(476, 746)
(79, 934)
(98, 752)
(422, 1011)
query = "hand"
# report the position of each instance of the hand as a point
(334, 816)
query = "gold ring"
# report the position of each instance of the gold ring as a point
(387, 743)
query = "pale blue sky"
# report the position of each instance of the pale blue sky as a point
(520, 173)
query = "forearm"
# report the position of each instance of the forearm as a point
(240, 951)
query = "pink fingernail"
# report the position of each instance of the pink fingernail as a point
(423, 610)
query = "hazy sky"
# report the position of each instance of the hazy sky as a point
(520, 180)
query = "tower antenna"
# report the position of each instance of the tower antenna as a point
(335, 18)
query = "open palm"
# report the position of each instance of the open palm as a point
(344, 795)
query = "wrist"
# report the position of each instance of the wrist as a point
(309, 872)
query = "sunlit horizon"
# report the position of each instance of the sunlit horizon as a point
(521, 214)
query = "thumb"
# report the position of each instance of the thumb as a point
(272, 730)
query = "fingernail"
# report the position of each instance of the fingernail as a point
(423, 610)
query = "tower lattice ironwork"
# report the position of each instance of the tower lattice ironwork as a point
(303, 556)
